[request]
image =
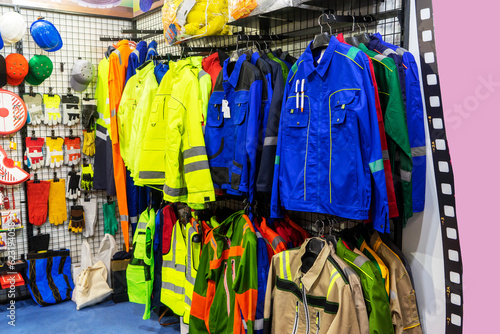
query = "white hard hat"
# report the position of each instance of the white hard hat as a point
(12, 27)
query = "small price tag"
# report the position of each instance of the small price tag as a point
(225, 109)
(13, 145)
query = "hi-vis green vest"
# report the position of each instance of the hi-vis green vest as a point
(180, 266)
(140, 270)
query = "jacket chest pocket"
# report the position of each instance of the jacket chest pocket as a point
(157, 110)
(240, 109)
(215, 118)
(341, 106)
(297, 119)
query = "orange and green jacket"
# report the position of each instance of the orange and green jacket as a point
(226, 288)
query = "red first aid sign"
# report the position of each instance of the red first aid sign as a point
(13, 112)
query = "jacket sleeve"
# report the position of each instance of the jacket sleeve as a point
(371, 148)
(266, 170)
(346, 320)
(254, 105)
(276, 211)
(268, 305)
(399, 141)
(246, 284)
(200, 303)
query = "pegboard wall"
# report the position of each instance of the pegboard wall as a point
(80, 35)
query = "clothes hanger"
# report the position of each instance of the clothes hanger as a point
(322, 39)
(313, 249)
(363, 37)
(144, 65)
(353, 40)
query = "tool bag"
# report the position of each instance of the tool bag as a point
(49, 277)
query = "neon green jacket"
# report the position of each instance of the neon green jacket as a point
(136, 97)
(102, 93)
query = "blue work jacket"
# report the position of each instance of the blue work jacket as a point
(329, 156)
(414, 113)
(232, 141)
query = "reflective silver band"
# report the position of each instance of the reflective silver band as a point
(174, 191)
(133, 220)
(418, 151)
(119, 55)
(142, 226)
(388, 52)
(194, 166)
(172, 287)
(400, 51)
(360, 260)
(123, 218)
(270, 141)
(405, 175)
(113, 112)
(101, 135)
(151, 175)
(201, 74)
(276, 241)
(177, 267)
(283, 261)
(194, 151)
(187, 300)
(385, 155)
(379, 57)
(136, 52)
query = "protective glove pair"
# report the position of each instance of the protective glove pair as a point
(34, 105)
(87, 177)
(71, 110)
(73, 185)
(89, 143)
(89, 113)
(33, 156)
(77, 220)
(54, 157)
(72, 151)
(52, 112)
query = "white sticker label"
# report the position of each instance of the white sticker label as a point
(225, 109)
(321, 56)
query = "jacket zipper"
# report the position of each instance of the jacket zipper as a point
(296, 322)
(227, 289)
(318, 320)
(305, 308)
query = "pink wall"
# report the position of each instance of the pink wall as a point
(468, 45)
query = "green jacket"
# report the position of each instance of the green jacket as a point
(226, 286)
(396, 129)
(377, 303)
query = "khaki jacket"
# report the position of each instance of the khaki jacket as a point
(318, 301)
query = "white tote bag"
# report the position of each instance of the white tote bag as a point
(106, 251)
(91, 287)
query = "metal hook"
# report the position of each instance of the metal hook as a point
(353, 21)
(319, 22)
(359, 27)
(272, 41)
(329, 26)
(248, 40)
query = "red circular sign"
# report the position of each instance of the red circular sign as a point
(13, 112)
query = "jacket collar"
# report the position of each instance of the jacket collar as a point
(196, 61)
(254, 58)
(212, 60)
(143, 72)
(233, 79)
(322, 67)
(313, 273)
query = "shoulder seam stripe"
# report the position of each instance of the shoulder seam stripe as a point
(350, 59)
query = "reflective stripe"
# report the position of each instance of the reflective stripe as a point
(177, 267)
(333, 277)
(418, 151)
(393, 295)
(35, 108)
(73, 151)
(136, 52)
(133, 220)
(405, 175)
(172, 287)
(385, 155)
(270, 141)
(276, 241)
(258, 324)
(151, 175)
(189, 276)
(101, 115)
(194, 151)
(400, 51)
(201, 74)
(194, 166)
(174, 191)
(380, 57)
(360, 260)
(101, 135)
(376, 166)
(285, 266)
(142, 226)
(113, 112)
(388, 52)
(119, 55)
(187, 300)
(123, 218)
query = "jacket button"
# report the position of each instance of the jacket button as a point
(338, 102)
(338, 119)
(298, 123)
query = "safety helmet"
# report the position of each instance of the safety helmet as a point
(46, 36)
(12, 27)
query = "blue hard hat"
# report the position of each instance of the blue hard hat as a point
(46, 36)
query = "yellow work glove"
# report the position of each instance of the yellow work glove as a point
(89, 143)
(54, 157)
(52, 111)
